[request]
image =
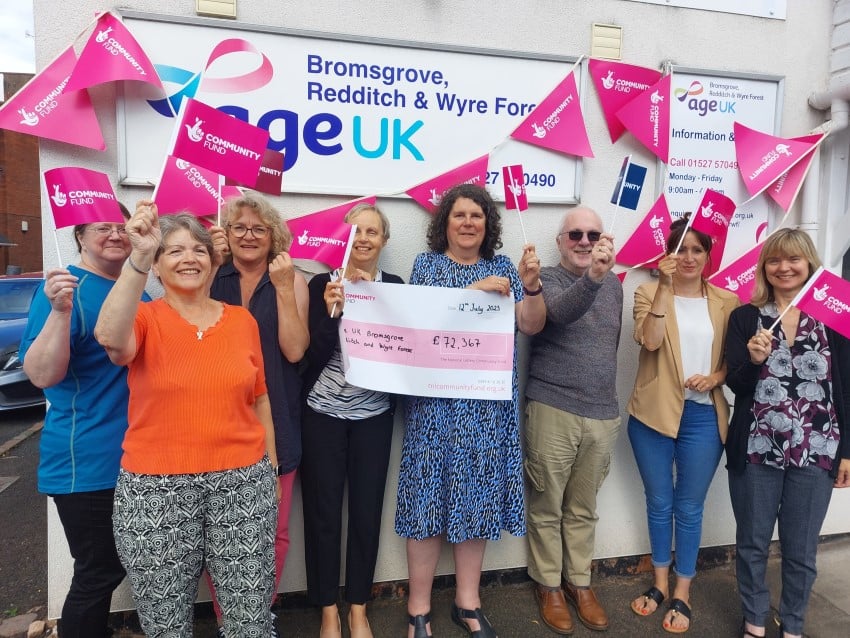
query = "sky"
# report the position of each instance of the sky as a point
(17, 49)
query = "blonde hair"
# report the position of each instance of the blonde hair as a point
(281, 236)
(354, 212)
(785, 242)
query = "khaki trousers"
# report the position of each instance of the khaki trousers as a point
(566, 460)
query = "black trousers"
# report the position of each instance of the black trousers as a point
(87, 520)
(336, 450)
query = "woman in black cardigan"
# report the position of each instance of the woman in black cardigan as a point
(346, 436)
(789, 439)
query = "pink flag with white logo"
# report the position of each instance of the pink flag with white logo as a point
(557, 122)
(826, 297)
(45, 108)
(111, 53)
(648, 242)
(647, 117)
(763, 158)
(515, 196)
(429, 193)
(207, 137)
(317, 236)
(786, 188)
(740, 276)
(617, 84)
(81, 196)
(270, 178)
(712, 217)
(184, 187)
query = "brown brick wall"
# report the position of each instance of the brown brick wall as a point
(20, 193)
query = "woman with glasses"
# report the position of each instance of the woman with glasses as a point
(679, 416)
(347, 434)
(80, 444)
(196, 486)
(260, 277)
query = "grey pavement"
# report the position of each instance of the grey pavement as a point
(510, 606)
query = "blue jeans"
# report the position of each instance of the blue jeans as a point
(799, 498)
(87, 520)
(695, 452)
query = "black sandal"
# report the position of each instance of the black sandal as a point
(654, 594)
(678, 606)
(748, 634)
(486, 630)
(420, 625)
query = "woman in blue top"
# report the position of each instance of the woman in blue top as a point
(86, 420)
(461, 465)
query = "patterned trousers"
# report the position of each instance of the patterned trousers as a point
(169, 527)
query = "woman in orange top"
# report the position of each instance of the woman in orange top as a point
(197, 483)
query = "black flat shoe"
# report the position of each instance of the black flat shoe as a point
(420, 625)
(748, 634)
(459, 614)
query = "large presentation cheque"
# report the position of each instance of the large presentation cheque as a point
(428, 341)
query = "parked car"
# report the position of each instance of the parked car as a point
(16, 390)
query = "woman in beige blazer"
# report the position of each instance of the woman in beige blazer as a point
(678, 415)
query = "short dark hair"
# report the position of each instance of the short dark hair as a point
(436, 237)
(79, 229)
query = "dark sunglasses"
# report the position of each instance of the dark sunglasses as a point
(576, 235)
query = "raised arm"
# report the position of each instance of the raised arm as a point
(293, 304)
(47, 358)
(531, 311)
(114, 329)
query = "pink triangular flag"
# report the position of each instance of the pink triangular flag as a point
(515, 196)
(786, 188)
(185, 187)
(712, 217)
(622, 275)
(321, 236)
(617, 84)
(763, 158)
(649, 239)
(557, 122)
(270, 178)
(429, 193)
(111, 53)
(81, 196)
(45, 108)
(647, 117)
(740, 276)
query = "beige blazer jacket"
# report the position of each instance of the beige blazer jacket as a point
(658, 398)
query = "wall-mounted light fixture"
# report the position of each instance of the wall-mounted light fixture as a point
(216, 8)
(25, 226)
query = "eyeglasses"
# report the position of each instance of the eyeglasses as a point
(239, 230)
(576, 235)
(106, 231)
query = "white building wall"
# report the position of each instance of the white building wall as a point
(796, 48)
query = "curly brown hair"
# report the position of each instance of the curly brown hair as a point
(436, 237)
(281, 237)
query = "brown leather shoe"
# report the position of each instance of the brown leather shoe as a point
(554, 610)
(589, 611)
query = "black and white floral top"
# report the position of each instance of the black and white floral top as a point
(794, 422)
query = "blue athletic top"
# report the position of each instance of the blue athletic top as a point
(87, 417)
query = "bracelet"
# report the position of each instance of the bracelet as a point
(135, 267)
(533, 293)
(655, 314)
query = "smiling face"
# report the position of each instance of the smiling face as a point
(369, 239)
(576, 253)
(692, 258)
(184, 263)
(786, 273)
(465, 229)
(248, 248)
(104, 247)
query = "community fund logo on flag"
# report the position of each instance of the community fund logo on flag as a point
(515, 195)
(429, 193)
(617, 84)
(186, 187)
(647, 117)
(740, 276)
(207, 137)
(45, 106)
(112, 53)
(826, 297)
(81, 196)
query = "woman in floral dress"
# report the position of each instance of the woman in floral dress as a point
(788, 443)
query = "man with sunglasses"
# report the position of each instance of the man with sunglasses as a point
(573, 419)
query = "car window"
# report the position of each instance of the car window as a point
(15, 297)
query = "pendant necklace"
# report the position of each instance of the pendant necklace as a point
(200, 334)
